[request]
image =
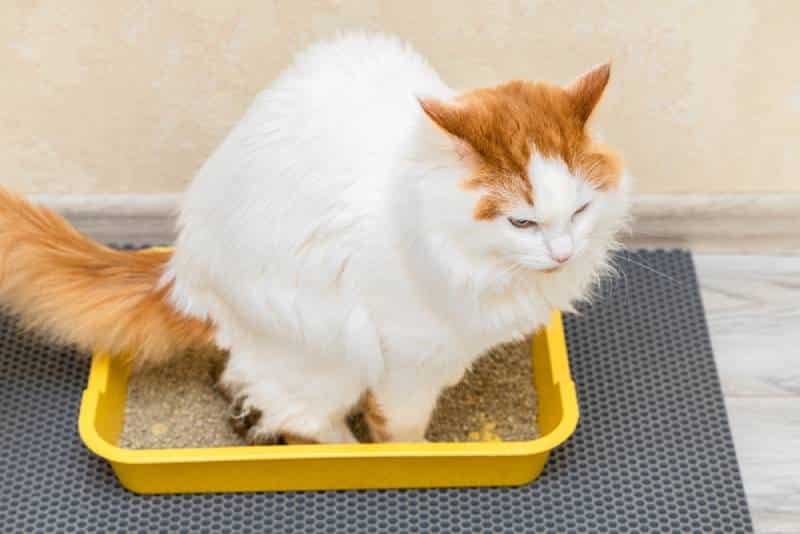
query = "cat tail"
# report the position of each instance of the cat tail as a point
(76, 290)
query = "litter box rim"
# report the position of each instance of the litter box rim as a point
(99, 432)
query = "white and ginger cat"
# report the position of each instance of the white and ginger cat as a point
(361, 236)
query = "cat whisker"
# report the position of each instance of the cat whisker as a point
(651, 269)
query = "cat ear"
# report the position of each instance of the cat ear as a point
(451, 118)
(448, 116)
(587, 90)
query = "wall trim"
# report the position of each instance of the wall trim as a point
(758, 223)
(140, 219)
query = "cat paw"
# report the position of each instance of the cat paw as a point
(287, 438)
(244, 420)
(374, 419)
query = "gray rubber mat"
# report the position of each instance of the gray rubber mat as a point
(652, 452)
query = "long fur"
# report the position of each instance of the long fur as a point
(78, 291)
(356, 237)
(342, 241)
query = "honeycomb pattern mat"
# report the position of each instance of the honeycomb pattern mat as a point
(653, 451)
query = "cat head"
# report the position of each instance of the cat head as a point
(535, 189)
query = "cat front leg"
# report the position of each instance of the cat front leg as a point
(276, 398)
(246, 420)
(400, 408)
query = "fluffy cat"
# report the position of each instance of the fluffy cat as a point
(362, 235)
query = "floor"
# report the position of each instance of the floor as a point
(753, 309)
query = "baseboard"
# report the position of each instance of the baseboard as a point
(756, 223)
(768, 223)
(138, 219)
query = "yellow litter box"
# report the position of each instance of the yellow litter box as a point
(318, 467)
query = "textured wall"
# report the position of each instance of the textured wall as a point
(131, 96)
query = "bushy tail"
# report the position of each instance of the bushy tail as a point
(77, 290)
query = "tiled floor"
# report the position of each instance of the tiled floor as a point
(753, 310)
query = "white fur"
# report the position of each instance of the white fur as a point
(328, 240)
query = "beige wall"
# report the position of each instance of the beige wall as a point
(114, 96)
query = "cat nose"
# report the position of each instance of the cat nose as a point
(561, 248)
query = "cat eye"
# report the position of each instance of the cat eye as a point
(581, 209)
(522, 223)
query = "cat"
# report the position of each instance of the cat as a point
(359, 239)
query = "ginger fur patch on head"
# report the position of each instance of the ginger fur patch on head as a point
(503, 127)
